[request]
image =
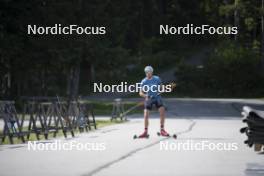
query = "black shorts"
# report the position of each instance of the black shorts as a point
(157, 101)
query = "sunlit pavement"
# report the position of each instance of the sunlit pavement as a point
(194, 121)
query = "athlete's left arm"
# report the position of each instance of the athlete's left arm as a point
(159, 83)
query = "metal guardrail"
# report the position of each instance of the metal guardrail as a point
(45, 116)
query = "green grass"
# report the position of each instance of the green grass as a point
(103, 123)
(99, 124)
(105, 108)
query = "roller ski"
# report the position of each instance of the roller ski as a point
(163, 133)
(143, 135)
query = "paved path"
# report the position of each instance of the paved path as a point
(125, 156)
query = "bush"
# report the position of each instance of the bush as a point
(230, 71)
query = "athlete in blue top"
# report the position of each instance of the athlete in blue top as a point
(149, 91)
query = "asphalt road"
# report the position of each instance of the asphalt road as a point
(196, 122)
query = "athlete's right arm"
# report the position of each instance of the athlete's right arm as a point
(142, 94)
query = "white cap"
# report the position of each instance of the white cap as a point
(148, 69)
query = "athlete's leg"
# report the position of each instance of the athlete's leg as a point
(147, 107)
(162, 121)
(162, 116)
(160, 106)
(146, 118)
(146, 122)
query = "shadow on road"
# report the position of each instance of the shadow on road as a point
(206, 108)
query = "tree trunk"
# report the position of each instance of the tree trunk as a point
(92, 73)
(73, 81)
(227, 16)
(236, 17)
(262, 36)
(43, 82)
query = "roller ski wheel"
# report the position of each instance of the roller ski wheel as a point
(168, 135)
(140, 136)
(159, 134)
